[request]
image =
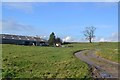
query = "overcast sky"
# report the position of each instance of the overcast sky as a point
(66, 19)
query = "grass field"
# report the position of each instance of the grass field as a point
(31, 61)
(108, 50)
(51, 62)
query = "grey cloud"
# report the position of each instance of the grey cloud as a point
(8, 25)
(68, 39)
(22, 6)
(114, 37)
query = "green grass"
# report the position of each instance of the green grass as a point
(44, 62)
(51, 62)
(108, 51)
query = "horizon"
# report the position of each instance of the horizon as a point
(67, 20)
(62, 40)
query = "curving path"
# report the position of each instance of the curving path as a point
(103, 68)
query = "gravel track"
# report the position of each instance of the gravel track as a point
(103, 68)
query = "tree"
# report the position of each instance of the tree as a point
(58, 40)
(89, 33)
(51, 40)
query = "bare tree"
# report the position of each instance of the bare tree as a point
(89, 33)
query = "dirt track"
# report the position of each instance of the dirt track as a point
(103, 68)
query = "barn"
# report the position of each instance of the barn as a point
(22, 40)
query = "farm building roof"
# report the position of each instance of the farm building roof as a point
(19, 37)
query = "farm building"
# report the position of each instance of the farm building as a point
(21, 40)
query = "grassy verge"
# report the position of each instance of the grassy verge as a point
(108, 51)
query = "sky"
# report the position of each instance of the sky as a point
(67, 20)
